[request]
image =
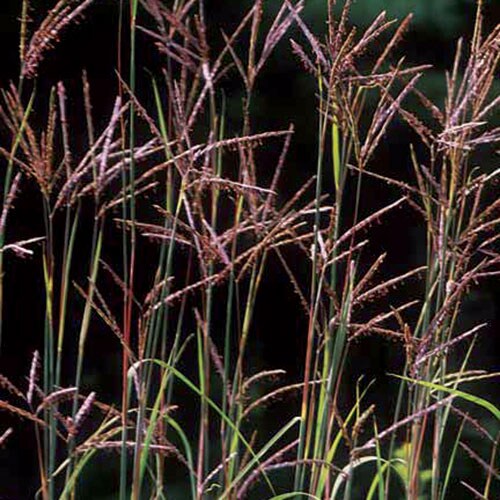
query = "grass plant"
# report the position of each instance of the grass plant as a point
(170, 178)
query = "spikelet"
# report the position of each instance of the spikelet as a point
(64, 13)
(33, 377)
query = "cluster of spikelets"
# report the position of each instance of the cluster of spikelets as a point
(216, 226)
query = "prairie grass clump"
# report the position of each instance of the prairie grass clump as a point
(187, 219)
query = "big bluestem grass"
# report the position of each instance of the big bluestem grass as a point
(215, 226)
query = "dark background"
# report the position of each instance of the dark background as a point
(284, 94)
